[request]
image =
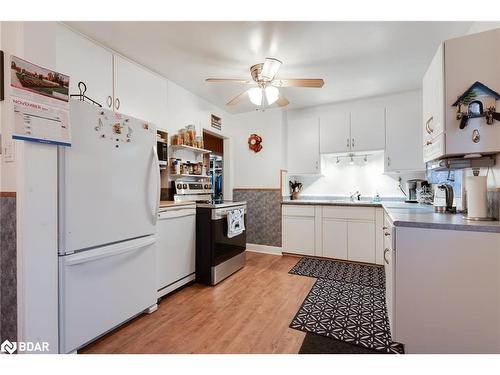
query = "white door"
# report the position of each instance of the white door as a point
(361, 245)
(303, 145)
(109, 182)
(140, 93)
(175, 248)
(334, 131)
(367, 128)
(334, 238)
(104, 287)
(85, 61)
(298, 235)
(403, 145)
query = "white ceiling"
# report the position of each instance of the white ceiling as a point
(356, 59)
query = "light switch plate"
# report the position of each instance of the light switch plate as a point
(8, 151)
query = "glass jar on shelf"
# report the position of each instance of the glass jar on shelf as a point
(183, 137)
(199, 141)
(191, 135)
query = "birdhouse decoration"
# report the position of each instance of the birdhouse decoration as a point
(254, 143)
(477, 101)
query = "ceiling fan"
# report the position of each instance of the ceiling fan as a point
(267, 91)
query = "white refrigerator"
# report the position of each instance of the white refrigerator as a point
(109, 191)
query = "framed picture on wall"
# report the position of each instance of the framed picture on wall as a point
(1, 77)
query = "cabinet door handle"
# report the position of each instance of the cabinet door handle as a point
(428, 143)
(384, 228)
(348, 142)
(316, 165)
(387, 234)
(109, 101)
(428, 125)
(117, 103)
(385, 258)
(388, 161)
(352, 143)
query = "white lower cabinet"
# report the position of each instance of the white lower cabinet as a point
(298, 235)
(361, 241)
(334, 238)
(339, 232)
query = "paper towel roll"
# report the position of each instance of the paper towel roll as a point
(477, 201)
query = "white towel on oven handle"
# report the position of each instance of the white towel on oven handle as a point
(235, 222)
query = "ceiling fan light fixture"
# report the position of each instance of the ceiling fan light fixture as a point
(255, 95)
(270, 68)
(272, 94)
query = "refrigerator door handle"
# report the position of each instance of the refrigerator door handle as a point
(156, 167)
(109, 251)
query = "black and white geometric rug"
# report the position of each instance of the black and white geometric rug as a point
(355, 273)
(349, 312)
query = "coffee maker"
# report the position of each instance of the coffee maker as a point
(411, 189)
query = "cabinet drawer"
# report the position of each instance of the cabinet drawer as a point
(298, 210)
(349, 212)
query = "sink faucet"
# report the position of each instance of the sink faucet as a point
(355, 196)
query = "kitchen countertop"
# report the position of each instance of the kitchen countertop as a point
(423, 216)
(165, 204)
(411, 215)
(333, 202)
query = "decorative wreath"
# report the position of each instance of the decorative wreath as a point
(254, 142)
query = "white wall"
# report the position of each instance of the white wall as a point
(262, 169)
(342, 178)
(478, 27)
(33, 176)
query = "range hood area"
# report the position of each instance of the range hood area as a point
(467, 161)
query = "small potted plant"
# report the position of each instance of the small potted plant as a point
(295, 188)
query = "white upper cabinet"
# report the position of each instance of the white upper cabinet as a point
(367, 127)
(139, 93)
(111, 80)
(458, 64)
(352, 128)
(85, 61)
(403, 142)
(469, 59)
(303, 144)
(335, 133)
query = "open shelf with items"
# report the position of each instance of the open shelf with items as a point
(190, 148)
(181, 175)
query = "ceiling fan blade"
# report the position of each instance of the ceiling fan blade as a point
(299, 82)
(270, 68)
(282, 101)
(237, 98)
(233, 80)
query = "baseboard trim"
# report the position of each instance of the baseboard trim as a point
(256, 248)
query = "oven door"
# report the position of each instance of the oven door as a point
(224, 247)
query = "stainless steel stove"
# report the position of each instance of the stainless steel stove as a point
(217, 255)
(195, 191)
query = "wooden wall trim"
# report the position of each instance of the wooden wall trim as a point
(8, 194)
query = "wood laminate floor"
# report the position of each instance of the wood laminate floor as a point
(247, 313)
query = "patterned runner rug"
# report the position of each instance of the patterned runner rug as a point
(352, 313)
(355, 273)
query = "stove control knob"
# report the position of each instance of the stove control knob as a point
(179, 186)
(184, 186)
(206, 186)
(210, 186)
